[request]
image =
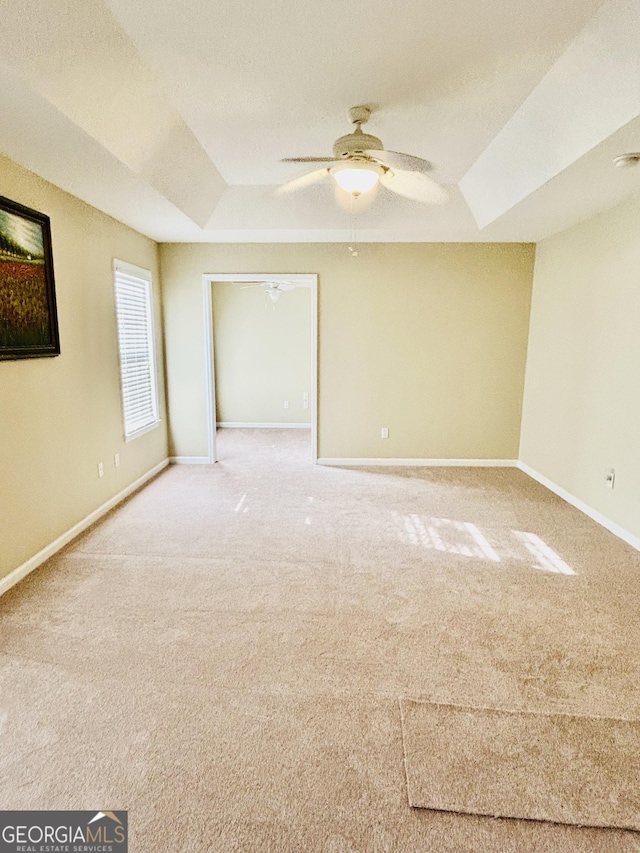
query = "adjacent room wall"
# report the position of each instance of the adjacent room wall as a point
(428, 340)
(582, 395)
(60, 416)
(262, 354)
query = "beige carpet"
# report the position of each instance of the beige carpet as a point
(563, 768)
(223, 655)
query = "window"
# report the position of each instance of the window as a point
(135, 340)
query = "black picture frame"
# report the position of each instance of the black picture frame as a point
(28, 312)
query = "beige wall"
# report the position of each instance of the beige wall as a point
(582, 399)
(60, 416)
(428, 340)
(262, 354)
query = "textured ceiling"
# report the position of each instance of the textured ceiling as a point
(190, 108)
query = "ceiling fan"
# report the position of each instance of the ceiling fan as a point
(359, 162)
(273, 289)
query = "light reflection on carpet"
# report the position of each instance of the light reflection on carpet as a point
(464, 538)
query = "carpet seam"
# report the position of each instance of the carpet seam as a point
(607, 826)
(404, 753)
(520, 711)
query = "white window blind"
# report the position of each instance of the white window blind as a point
(135, 340)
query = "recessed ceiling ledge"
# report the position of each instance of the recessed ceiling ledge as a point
(590, 92)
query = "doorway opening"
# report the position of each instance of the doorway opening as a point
(254, 392)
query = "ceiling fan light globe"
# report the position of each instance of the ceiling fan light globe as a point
(357, 178)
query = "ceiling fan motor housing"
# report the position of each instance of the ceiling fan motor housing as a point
(355, 143)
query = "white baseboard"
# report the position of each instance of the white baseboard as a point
(238, 425)
(189, 460)
(22, 571)
(611, 526)
(419, 463)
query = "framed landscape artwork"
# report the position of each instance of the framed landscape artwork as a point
(28, 317)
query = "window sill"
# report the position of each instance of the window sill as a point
(142, 431)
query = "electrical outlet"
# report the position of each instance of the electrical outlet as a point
(384, 432)
(305, 395)
(286, 404)
(100, 469)
(610, 477)
(305, 404)
(116, 460)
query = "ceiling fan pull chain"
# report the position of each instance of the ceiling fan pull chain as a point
(353, 248)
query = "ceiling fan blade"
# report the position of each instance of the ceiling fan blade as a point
(302, 181)
(414, 185)
(270, 285)
(308, 160)
(401, 161)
